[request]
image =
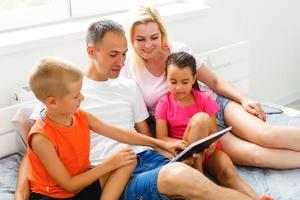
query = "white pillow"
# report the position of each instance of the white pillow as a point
(22, 121)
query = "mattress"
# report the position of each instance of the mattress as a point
(281, 184)
(9, 166)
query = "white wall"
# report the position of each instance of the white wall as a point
(271, 27)
(273, 31)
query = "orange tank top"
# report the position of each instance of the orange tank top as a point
(72, 145)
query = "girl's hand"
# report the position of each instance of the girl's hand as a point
(122, 157)
(211, 149)
(254, 108)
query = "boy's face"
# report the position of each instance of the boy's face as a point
(109, 56)
(70, 103)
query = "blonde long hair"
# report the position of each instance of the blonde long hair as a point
(143, 15)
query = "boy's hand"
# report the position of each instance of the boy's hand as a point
(174, 147)
(122, 157)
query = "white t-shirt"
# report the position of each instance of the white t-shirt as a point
(117, 102)
(153, 87)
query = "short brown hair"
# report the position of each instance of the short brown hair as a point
(97, 30)
(51, 76)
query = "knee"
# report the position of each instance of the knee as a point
(200, 120)
(171, 174)
(131, 166)
(227, 174)
(184, 180)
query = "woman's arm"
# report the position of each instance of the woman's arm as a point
(22, 187)
(46, 152)
(218, 85)
(224, 88)
(130, 137)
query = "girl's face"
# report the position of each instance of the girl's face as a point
(146, 40)
(180, 81)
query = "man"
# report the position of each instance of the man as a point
(117, 101)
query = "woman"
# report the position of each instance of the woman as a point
(265, 145)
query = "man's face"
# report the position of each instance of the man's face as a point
(109, 55)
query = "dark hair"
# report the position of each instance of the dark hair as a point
(97, 30)
(183, 60)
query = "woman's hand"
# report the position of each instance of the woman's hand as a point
(254, 108)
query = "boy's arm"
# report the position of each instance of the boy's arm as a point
(46, 152)
(129, 137)
(22, 187)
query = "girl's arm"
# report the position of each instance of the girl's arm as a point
(46, 152)
(130, 137)
(162, 131)
(223, 87)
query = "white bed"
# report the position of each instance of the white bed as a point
(281, 184)
(12, 145)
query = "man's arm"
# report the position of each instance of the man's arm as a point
(22, 187)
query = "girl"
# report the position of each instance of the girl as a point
(185, 115)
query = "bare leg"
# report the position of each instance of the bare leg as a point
(180, 180)
(113, 184)
(258, 156)
(221, 168)
(198, 128)
(23, 186)
(250, 128)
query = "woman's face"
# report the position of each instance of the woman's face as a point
(146, 40)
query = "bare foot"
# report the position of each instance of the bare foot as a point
(265, 197)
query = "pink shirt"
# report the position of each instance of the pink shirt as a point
(178, 116)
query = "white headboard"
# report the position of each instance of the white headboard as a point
(231, 63)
